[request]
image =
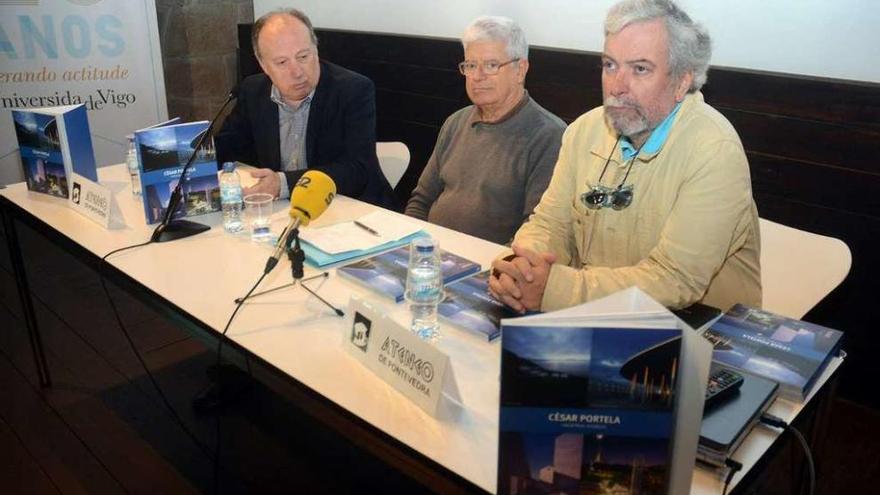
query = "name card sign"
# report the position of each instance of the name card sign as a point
(417, 369)
(95, 202)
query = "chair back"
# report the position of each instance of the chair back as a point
(799, 268)
(393, 159)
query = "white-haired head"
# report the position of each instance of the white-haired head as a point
(690, 46)
(499, 29)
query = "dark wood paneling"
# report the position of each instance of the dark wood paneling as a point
(823, 100)
(812, 144)
(823, 143)
(815, 184)
(407, 50)
(414, 108)
(440, 83)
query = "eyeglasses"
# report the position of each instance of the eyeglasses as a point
(616, 198)
(489, 68)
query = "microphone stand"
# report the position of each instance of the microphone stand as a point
(170, 229)
(229, 382)
(296, 256)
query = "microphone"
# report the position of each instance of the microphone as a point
(170, 229)
(311, 195)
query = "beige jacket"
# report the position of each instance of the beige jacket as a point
(690, 234)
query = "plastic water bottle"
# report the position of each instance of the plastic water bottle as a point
(424, 287)
(230, 198)
(133, 170)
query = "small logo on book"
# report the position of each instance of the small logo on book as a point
(360, 331)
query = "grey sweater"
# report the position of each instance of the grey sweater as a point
(484, 179)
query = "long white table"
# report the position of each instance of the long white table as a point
(295, 333)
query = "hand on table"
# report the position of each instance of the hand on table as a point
(267, 182)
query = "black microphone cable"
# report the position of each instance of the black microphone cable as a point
(776, 422)
(233, 94)
(216, 455)
(218, 410)
(733, 467)
(137, 354)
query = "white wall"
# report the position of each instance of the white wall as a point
(828, 38)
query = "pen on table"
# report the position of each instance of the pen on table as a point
(368, 229)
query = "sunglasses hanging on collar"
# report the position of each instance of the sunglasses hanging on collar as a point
(616, 198)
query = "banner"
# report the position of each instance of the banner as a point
(104, 54)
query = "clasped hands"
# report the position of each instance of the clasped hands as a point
(519, 281)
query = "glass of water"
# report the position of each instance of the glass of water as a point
(258, 215)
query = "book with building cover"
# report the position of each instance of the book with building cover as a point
(588, 401)
(54, 142)
(385, 273)
(789, 351)
(468, 304)
(162, 152)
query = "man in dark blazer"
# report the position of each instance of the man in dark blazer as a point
(301, 114)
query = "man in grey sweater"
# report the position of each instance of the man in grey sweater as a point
(493, 159)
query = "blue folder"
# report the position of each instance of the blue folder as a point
(320, 259)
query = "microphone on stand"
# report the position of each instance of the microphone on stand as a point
(308, 205)
(169, 229)
(311, 196)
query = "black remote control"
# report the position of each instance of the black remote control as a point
(722, 384)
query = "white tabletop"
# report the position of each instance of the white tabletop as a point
(294, 332)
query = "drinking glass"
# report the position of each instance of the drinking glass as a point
(258, 215)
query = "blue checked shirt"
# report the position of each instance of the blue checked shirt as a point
(292, 124)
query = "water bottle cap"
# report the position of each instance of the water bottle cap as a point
(229, 167)
(424, 245)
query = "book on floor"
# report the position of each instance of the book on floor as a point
(789, 351)
(385, 273)
(54, 142)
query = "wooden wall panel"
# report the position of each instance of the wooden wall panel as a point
(809, 141)
(813, 146)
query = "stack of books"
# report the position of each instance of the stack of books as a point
(385, 273)
(791, 352)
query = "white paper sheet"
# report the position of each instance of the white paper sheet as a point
(348, 236)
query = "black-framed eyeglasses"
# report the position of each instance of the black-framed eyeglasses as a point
(489, 68)
(616, 198)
